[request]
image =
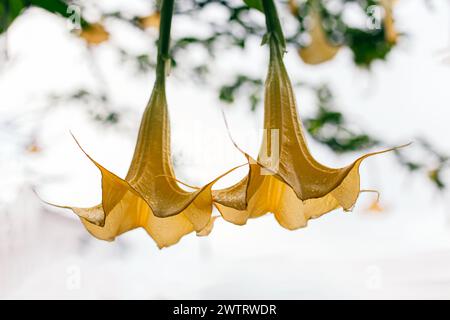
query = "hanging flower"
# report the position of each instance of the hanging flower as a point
(286, 179)
(150, 21)
(149, 196)
(391, 34)
(94, 34)
(319, 49)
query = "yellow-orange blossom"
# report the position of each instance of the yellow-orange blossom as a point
(287, 180)
(149, 196)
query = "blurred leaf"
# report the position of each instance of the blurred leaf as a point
(329, 126)
(412, 166)
(255, 4)
(253, 86)
(368, 46)
(9, 11)
(108, 118)
(435, 177)
(59, 7)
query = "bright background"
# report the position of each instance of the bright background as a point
(401, 252)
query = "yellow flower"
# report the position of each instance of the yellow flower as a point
(94, 34)
(150, 21)
(293, 6)
(319, 50)
(285, 179)
(149, 196)
(391, 34)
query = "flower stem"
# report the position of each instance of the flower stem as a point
(163, 58)
(274, 31)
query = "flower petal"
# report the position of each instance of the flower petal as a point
(391, 33)
(94, 34)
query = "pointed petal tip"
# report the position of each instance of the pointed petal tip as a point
(47, 202)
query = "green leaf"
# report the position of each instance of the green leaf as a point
(9, 11)
(53, 6)
(368, 46)
(255, 4)
(58, 7)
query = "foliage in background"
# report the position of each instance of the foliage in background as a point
(11, 9)
(317, 25)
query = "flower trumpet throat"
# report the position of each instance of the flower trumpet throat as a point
(285, 179)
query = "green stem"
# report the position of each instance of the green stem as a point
(164, 40)
(274, 31)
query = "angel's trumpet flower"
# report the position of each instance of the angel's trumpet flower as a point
(94, 34)
(286, 179)
(319, 49)
(149, 196)
(391, 33)
(150, 21)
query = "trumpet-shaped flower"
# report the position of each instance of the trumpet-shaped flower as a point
(319, 49)
(149, 196)
(151, 21)
(286, 179)
(391, 33)
(94, 34)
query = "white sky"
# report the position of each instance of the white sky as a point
(399, 100)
